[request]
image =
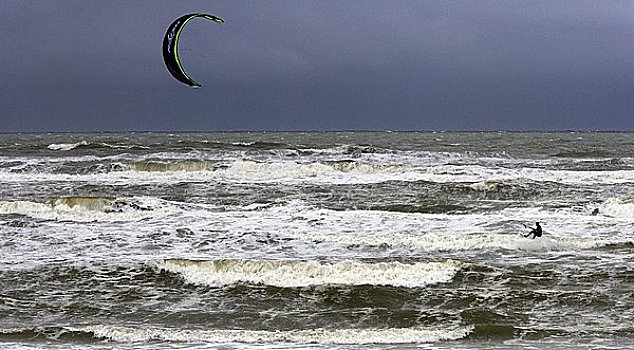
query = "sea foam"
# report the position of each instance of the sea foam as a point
(479, 177)
(618, 207)
(66, 146)
(84, 209)
(304, 336)
(290, 273)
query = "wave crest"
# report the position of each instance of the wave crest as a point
(81, 209)
(90, 145)
(189, 165)
(308, 336)
(290, 274)
(618, 207)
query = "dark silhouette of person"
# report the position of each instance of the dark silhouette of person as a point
(536, 232)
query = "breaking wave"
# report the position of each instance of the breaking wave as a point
(83, 209)
(292, 274)
(618, 207)
(190, 165)
(90, 145)
(303, 336)
(458, 243)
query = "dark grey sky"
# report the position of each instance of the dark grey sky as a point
(319, 65)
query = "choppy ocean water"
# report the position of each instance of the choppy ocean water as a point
(316, 240)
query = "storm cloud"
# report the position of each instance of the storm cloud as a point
(319, 65)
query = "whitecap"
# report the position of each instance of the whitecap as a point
(66, 146)
(618, 207)
(292, 273)
(304, 336)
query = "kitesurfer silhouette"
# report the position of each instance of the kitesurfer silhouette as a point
(536, 232)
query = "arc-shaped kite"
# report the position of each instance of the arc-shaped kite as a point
(170, 47)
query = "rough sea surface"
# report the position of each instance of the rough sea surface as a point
(354, 240)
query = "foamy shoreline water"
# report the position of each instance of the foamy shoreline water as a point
(316, 240)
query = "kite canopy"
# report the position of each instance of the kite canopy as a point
(170, 47)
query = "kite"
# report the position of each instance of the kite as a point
(170, 47)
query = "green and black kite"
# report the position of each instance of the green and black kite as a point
(170, 47)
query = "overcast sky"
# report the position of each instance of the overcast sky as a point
(319, 65)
